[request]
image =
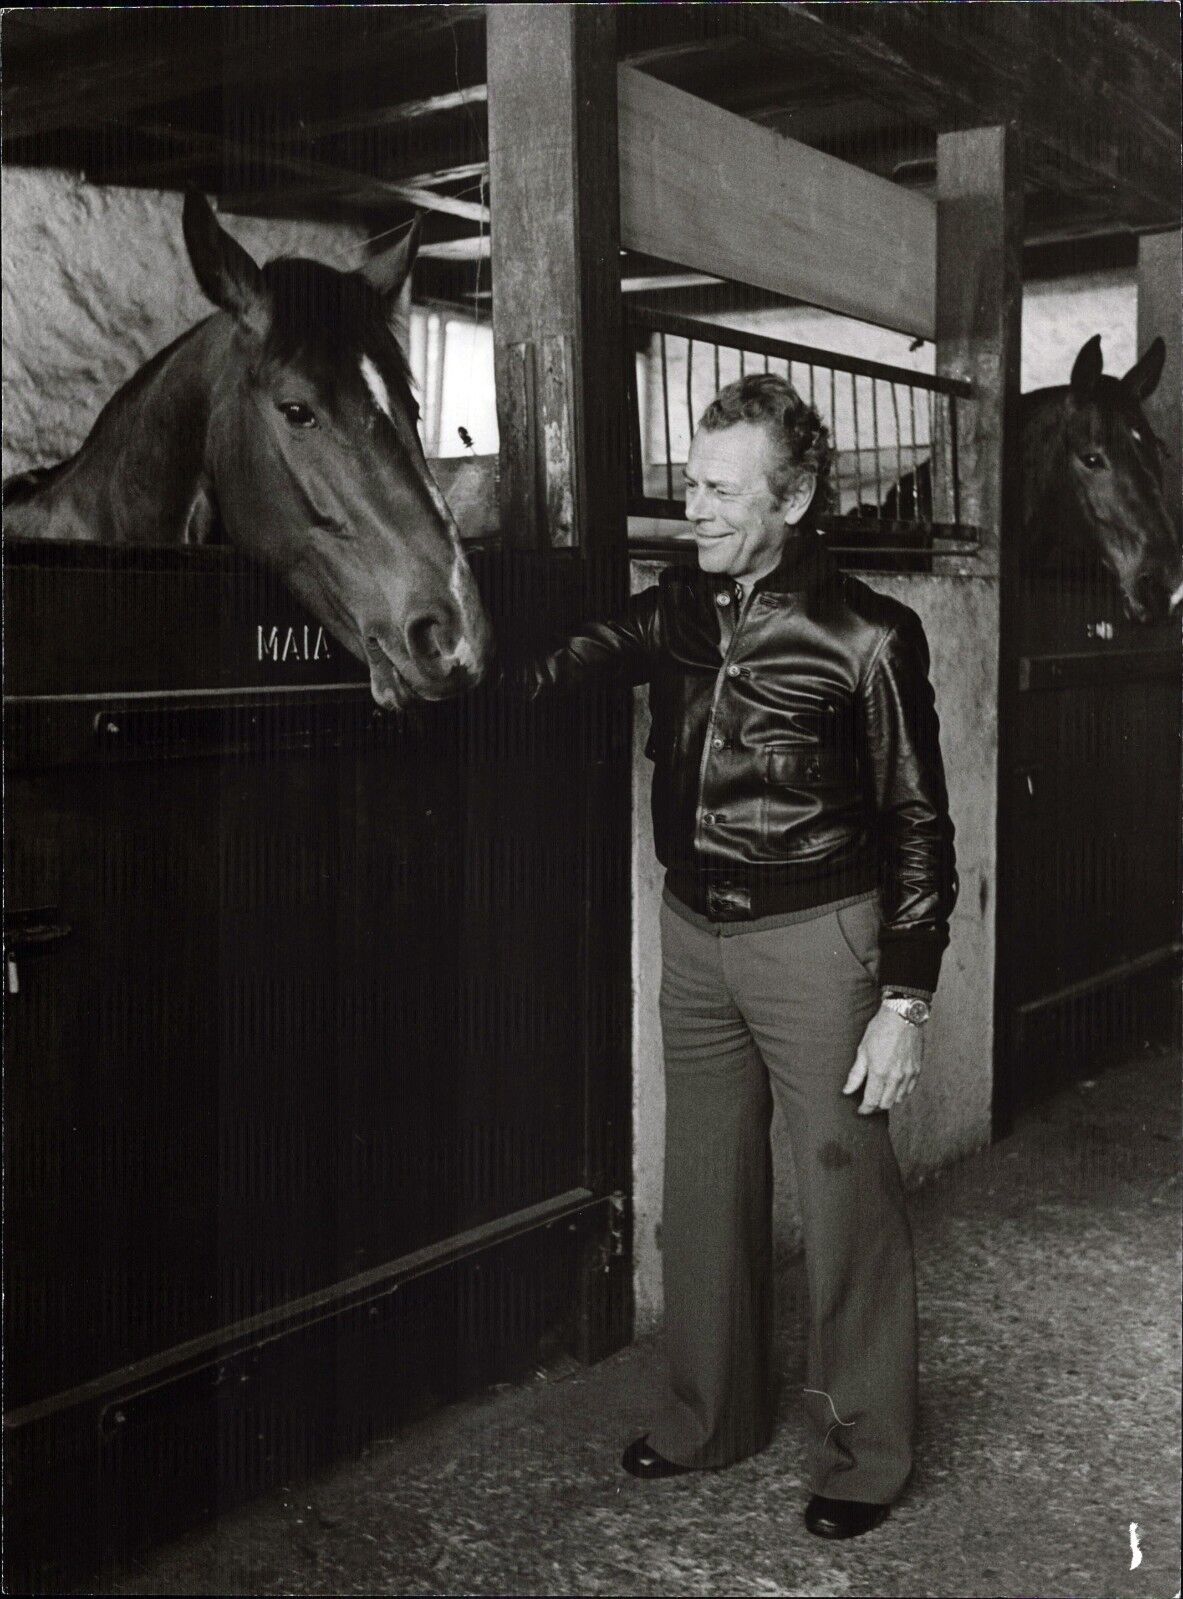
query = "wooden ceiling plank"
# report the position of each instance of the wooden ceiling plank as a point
(151, 69)
(274, 199)
(390, 116)
(320, 174)
(892, 51)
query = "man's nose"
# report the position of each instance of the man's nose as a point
(695, 505)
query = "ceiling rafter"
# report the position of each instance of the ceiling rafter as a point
(957, 75)
(164, 60)
(332, 179)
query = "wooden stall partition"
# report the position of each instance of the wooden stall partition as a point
(317, 1095)
(1160, 314)
(705, 188)
(557, 329)
(1089, 793)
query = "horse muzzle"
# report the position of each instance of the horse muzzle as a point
(432, 661)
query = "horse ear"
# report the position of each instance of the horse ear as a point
(1142, 378)
(390, 272)
(1087, 368)
(227, 274)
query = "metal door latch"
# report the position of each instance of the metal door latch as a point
(30, 932)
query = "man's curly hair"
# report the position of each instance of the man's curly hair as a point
(801, 437)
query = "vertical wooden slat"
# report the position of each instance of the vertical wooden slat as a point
(554, 188)
(978, 319)
(1160, 314)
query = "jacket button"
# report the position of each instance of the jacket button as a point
(718, 743)
(733, 671)
(723, 598)
(709, 816)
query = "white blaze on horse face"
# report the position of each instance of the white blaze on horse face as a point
(376, 384)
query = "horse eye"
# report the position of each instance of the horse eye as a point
(296, 414)
(1093, 461)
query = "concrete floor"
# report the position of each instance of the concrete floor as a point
(1049, 1300)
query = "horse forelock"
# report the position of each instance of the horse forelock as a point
(326, 322)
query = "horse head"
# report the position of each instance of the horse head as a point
(315, 464)
(1109, 480)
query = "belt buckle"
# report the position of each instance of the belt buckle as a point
(728, 901)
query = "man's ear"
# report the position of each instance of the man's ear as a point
(800, 497)
(227, 274)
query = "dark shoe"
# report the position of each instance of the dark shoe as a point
(640, 1459)
(842, 1518)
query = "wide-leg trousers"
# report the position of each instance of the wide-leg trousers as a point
(751, 1019)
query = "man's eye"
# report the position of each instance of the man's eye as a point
(1093, 461)
(296, 414)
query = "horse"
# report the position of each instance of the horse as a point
(284, 423)
(1091, 481)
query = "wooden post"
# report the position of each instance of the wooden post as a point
(1160, 311)
(555, 195)
(978, 327)
(561, 407)
(978, 321)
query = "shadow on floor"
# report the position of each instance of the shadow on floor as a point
(1049, 1302)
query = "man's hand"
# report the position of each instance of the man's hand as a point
(888, 1060)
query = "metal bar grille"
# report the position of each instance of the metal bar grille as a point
(893, 462)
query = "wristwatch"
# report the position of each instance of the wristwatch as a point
(913, 1010)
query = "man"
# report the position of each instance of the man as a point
(799, 808)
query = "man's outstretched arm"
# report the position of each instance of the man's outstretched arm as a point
(621, 651)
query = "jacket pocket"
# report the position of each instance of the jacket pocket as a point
(801, 766)
(858, 929)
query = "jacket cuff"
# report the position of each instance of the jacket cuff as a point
(910, 960)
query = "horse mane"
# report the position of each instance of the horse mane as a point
(1040, 415)
(22, 486)
(317, 311)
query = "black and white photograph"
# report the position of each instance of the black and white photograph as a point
(592, 799)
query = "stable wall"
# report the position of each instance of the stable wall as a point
(94, 281)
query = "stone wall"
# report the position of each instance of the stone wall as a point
(94, 281)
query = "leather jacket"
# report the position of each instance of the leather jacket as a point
(797, 764)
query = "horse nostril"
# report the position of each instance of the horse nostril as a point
(428, 638)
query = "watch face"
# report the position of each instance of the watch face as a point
(917, 1011)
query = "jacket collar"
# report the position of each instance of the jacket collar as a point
(804, 566)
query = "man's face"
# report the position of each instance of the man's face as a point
(739, 526)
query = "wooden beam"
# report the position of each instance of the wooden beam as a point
(473, 248)
(1160, 299)
(706, 189)
(979, 291)
(395, 115)
(557, 325)
(151, 56)
(1094, 116)
(272, 201)
(322, 174)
